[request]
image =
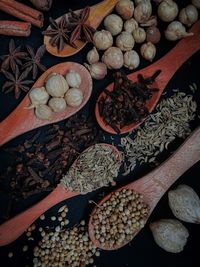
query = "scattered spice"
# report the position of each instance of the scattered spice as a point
(94, 168)
(15, 28)
(126, 104)
(170, 120)
(33, 60)
(65, 247)
(117, 220)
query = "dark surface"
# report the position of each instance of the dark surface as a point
(142, 251)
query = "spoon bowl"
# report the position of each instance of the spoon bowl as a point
(153, 185)
(97, 13)
(22, 120)
(168, 65)
(16, 226)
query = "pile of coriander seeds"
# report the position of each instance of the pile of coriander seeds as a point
(117, 220)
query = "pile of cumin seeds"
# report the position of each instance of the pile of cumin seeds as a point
(170, 120)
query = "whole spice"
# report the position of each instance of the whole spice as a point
(143, 11)
(131, 59)
(125, 41)
(14, 57)
(57, 104)
(196, 3)
(15, 28)
(95, 168)
(130, 25)
(170, 234)
(44, 5)
(139, 35)
(93, 55)
(56, 85)
(43, 112)
(102, 39)
(97, 70)
(33, 60)
(126, 103)
(113, 58)
(16, 82)
(148, 51)
(175, 31)
(38, 96)
(74, 97)
(185, 204)
(171, 120)
(113, 23)
(73, 79)
(167, 10)
(153, 35)
(117, 220)
(188, 15)
(125, 9)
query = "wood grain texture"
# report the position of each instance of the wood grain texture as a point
(153, 185)
(168, 64)
(22, 120)
(97, 13)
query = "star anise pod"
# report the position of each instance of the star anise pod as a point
(13, 58)
(16, 82)
(58, 32)
(33, 61)
(81, 30)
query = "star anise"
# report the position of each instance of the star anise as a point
(33, 61)
(58, 32)
(13, 58)
(16, 82)
(81, 29)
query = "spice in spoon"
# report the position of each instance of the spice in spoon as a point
(94, 168)
(117, 220)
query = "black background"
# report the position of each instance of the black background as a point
(142, 251)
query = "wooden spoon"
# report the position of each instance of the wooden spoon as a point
(13, 228)
(153, 185)
(97, 14)
(22, 120)
(168, 64)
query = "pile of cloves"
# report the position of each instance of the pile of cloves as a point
(39, 166)
(126, 103)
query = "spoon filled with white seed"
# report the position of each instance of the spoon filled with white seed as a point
(120, 215)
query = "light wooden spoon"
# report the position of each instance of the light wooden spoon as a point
(97, 13)
(168, 64)
(153, 185)
(22, 120)
(13, 228)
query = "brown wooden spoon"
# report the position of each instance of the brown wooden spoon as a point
(13, 228)
(153, 185)
(97, 13)
(168, 64)
(22, 120)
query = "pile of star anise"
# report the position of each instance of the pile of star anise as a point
(67, 31)
(17, 65)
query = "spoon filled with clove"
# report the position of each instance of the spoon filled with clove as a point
(68, 34)
(124, 105)
(95, 167)
(120, 215)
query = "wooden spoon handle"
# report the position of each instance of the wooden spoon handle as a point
(156, 183)
(13, 228)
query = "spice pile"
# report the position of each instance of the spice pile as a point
(94, 168)
(65, 247)
(58, 93)
(38, 167)
(17, 65)
(170, 120)
(117, 220)
(126, 103)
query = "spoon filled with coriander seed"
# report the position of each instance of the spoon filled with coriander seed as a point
(120, 215)
(95, 167)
